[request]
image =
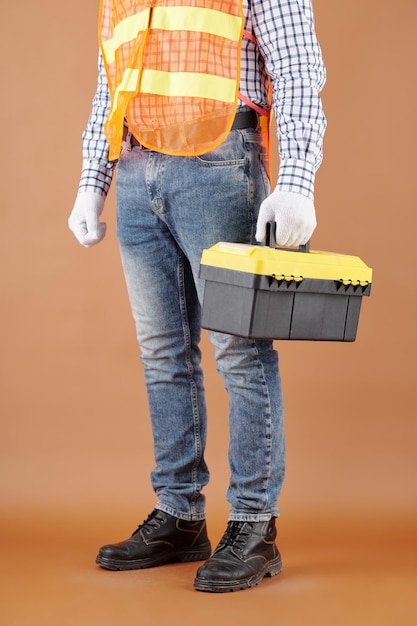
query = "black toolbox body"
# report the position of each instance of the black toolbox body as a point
(261, 292)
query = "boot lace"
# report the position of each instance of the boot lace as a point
(236, 535)
(152, 522)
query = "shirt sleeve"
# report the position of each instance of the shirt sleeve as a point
(97, 170)
(287, 40)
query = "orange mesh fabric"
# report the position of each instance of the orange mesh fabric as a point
(172, 123)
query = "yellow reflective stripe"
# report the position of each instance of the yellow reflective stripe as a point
(128, 83)
(125, 31)
(188, 84)
(197, 19)
(173, 18)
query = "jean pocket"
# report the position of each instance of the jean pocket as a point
(230, 153)
(210, 159)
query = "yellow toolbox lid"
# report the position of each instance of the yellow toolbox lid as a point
(284, 264)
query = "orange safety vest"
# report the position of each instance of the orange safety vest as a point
(173, 71)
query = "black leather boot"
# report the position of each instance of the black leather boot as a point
(246, 553)
(160, 539)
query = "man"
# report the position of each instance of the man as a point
(183, 91)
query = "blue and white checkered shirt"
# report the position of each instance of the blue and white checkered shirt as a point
(287, 51)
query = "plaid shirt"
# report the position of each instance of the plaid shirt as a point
(288, 52)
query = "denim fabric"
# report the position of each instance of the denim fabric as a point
(168, 210)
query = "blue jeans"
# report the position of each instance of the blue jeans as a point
(168, 210)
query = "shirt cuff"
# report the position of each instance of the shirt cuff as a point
(96, 177)
(297, 176)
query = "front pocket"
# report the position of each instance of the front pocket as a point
(211, 159)
(231, 153)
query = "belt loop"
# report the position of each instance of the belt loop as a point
(126, 141)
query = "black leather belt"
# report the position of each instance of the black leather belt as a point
(243, 119)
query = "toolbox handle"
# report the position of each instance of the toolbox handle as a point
(271, 241)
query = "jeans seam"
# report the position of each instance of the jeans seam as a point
(250, 164)
(268, 430)
(188, 362)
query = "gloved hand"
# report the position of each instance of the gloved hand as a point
(84, 219)
(294, 215)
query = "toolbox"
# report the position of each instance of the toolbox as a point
(264, 292)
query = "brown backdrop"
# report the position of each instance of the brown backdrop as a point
(75, 442)
(74, 425)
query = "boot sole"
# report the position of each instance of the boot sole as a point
(272, 568)
(186, 556)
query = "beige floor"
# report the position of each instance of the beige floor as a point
(336, 572)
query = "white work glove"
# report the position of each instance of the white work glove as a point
(84, 220)
(294, 215)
